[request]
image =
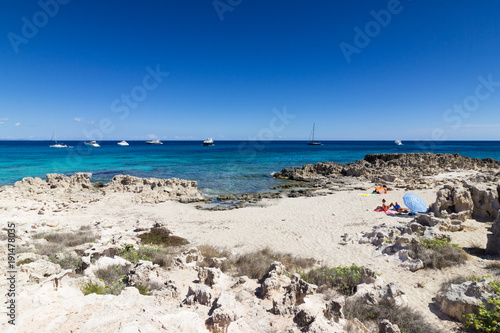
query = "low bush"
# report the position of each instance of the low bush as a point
(437, 253)
(92, 288)
(47, 249)
(343, 278)
(256, 264)
(408, 320)
(210, 252)
(143, 290)
(69, 239)
(487, 318)
(162, 236)
(24, 262)
(67, 263)
(156, 254)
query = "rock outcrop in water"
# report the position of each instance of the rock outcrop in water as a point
(398, 169)
(151, 190)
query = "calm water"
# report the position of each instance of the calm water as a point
(229, 166)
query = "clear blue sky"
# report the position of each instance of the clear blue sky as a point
(227, 76)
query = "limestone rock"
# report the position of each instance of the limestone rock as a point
(199, 293)
(297, 291)
(209, 275)
(333, 310)
(465, 298)
(226, 309)
(188, 258)
(274, 279)
(147, 274)
(457, 202)
(493, 245)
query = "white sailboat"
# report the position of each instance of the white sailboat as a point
(154, 142)
(398, 143)
(57, 145)
(313, 142)
(123, 143)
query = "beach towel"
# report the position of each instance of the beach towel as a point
(391, 212)
(366, 195)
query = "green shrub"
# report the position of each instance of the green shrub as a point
(24, 262)
(343, 278)
(67, 263)
(156, 254)
(162, 236)
(143, 290)
(92, 288)
(487, 319)
(437, 253)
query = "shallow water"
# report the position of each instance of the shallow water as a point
(227, 167)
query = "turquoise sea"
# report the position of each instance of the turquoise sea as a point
(227, 167)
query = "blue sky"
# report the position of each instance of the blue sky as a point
(410, 70)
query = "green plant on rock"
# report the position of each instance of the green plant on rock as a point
(487, 320)
(24, 261)
(92, 288)
(143, 290)
(343, 278)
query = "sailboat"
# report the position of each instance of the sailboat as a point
(57, 145)
(313, 142)
(398, 143)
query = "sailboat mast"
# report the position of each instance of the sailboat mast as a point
(314, 124)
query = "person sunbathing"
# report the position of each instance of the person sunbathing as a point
(385, 207)
(400, 209)
(380, 190)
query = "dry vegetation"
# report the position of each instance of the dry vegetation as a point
(437, 254)
(254, 264)
(162, 236)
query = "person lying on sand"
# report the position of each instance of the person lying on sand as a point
(400, 209)
(385, 207)
(380, 190)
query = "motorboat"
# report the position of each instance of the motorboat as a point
(123, 143)
(154, 142)
(313, 142)
(92, 144)
(208, 142)
(398, 143)
(57, 145)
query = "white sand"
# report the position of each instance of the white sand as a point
(308, 227)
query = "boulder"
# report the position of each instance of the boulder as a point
(199, 293)
(465, 298)
(209, 275)
(386, 326)
(457, 202)
(297, 291)
(225, 310)
(274, 279)
(147, 274)
(188, 259)
(485, 198)
(493, 245)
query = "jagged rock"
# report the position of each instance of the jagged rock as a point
(493, 245)
(208, 275)
(188, 258)
(399, 169)
(104, 263)
(154, 189)
(465, 298)
(355, 326)
(485, 199)
(40, 269)
(199, 293)
(224, 311)
(304, 318)
(274, 279)
(169, 290)
(147, 274)
(368, 276)
(297, 291)
(386, 326)
(457, 202)
(98, 251)
(333, 310)
(375, 293)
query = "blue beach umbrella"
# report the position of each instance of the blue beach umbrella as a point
(415, 203)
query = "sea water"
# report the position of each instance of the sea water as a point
(226, 167)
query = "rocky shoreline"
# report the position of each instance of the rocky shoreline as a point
(175, 287)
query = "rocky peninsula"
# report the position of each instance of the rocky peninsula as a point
(136, 255)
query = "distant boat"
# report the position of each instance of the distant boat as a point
(56, 145)
(398, 143)
(208, 142)
(123, 143)
(154, 142)
(92, 144)
(313, 142)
